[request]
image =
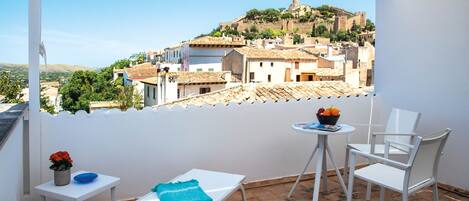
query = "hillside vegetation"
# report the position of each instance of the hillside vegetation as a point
(319, 22)
(54, 72)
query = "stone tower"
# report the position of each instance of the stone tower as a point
(294, 5)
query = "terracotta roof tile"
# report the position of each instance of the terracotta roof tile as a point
(185, 77)
(209, 40)
(272, 92)
(257, 53)
(140, 73)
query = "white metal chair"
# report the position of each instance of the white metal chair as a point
(400, 128)
(419, 172)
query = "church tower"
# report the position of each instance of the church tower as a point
(294, 5)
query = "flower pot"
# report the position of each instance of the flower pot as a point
(62, 178)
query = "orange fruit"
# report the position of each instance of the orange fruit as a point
(335, 111)
(327, 113)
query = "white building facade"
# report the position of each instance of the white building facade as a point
(171, 86)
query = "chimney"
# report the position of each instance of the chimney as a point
(329, 51)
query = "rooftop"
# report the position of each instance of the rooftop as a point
(328, 72)
(256, 53)
(217, 41)
(144, 65)
(186, 77)
(317, 51)
(271, 92)
(140, 72)
(104, 104)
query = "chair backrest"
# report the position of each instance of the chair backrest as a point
(425, 157)
(401, 121)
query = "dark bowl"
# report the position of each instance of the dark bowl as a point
(85, 178)
(328, 120)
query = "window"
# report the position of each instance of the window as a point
(272, 64)
(298, 78)
(251, 77)
(297, 65)
(210, 69)
(269, 78)
(261, 64)
(179, 93)
(204, 90)
(154, 93)
(310, 78)
(148, 92)
(199, 69)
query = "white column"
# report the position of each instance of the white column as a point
(34, 95)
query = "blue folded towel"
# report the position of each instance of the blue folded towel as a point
(181, 191)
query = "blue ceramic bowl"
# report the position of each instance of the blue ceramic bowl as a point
(85, 178)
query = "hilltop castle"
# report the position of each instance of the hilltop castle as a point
(294, 5)
(342, 21)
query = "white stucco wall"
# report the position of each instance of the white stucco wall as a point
(422, 50)
(11, 165)
(204, 59)
(147, 147)
(193, 90)
(207, 67)
(148, 97)
(277, 71)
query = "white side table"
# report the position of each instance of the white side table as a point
(78, 192)
(322, 149)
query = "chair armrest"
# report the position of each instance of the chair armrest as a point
(375, 134)
(398, 134)
(391, 142)
(386, 161)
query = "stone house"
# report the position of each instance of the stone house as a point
(263, 65)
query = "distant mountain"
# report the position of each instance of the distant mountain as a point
(58, 68)
(54, 72)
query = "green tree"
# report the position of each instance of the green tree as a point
(86, 86)
(355, 28)
(254, 29)
(120, 64)
(297, 39)
(253, 14)
(139, 58)
(9, 88)
(128, 97)
(217, 34)
(45, 103)
(322, 30)
(271, 15)
(250, 35)
(343, 36)
(286, 16)
(370, 26)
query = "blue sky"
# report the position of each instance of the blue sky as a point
(97, 32)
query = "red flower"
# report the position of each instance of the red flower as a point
(61, 161)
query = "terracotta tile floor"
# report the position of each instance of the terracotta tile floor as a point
(304, 193)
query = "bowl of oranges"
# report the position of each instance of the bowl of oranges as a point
(328, 116)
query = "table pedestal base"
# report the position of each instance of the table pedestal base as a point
(321, 150)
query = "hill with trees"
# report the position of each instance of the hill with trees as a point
(53, 72)
(309, 21)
